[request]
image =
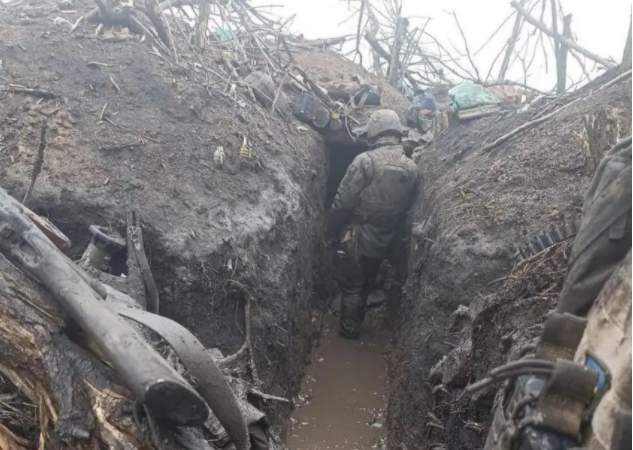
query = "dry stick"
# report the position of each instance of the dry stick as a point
(358, 31)
(542, 119)
(468, 75)
(394, 64)
(514, 83)
(158, 40)
(495, 33)
(268, 396)
(561, 57)
(16, 89)
(37, 165)
(512, 42)
(105, 119)
(472, 63)
(159, 20)
(494, 61)
(437, 71)
(536, 47)
(203, 23)
(281, 85)
(557, 43)
(374, 27)
(581, 64)
(571, 44)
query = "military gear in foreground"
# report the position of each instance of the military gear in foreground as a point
(574, 391)
(569, 392)
(93, 308)
(604, 236)
(377, 190)
(383, 123)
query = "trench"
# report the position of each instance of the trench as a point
(339, 387)
(343, 397)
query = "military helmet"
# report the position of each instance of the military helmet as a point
(383, 122)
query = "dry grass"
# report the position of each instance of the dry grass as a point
(18, 416)
(538, 276)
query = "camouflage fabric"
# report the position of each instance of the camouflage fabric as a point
(602, 245)
(604, 237)
(357, 276)
(378, 188)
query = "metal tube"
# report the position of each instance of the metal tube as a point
(167, 395)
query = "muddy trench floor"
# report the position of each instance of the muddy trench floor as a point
(343, 397)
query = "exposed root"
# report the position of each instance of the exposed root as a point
(248, 345)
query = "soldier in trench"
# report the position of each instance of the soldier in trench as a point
(368, 218)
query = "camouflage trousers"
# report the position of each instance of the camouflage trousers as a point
(357, 278)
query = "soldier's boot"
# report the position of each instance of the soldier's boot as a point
(352, 314)
(351, 278)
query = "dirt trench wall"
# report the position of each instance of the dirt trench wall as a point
(473, 210)
(117, 107)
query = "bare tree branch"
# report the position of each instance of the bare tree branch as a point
(203, 23)
(514, 37)
(472, 63)
(606, 63)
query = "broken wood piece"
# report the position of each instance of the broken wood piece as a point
(59, 239)
(546, 117)
(116, 86)
(473, 113)
(102, 114)
(325, 43)
(563, 40)
(268, 396)
(17, 89)
(77, 23)
(39, 161)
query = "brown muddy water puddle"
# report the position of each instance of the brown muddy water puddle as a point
(342, 402)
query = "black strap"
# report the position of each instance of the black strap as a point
(211, 384)
(153, 302)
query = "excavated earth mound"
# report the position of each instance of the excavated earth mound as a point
(471, 300)
(119, 116)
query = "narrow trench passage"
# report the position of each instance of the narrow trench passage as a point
(343, 396)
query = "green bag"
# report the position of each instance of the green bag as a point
(468, 95)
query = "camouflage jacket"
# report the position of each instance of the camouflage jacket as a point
(379, 187)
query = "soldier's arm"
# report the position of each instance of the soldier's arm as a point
(356, 178)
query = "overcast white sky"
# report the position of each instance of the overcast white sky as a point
(600, 26)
